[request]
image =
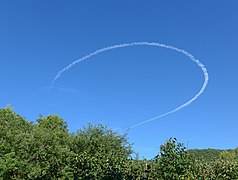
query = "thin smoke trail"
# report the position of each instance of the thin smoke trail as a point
(190, 56)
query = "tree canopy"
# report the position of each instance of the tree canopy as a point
(47, 150)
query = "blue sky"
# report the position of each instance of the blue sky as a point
(125, 86)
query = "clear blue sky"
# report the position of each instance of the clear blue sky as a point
(126, 86)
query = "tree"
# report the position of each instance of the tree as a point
(100, 153)
(173, 162)
(46, 150)
(49, 149)
(14, 130)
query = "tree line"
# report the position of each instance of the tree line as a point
(47, 150)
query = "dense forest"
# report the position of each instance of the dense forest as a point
(47, 150)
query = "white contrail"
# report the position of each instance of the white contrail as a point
(199, 64)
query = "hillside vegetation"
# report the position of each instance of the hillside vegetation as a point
(46, 150)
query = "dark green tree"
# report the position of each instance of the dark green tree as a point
(15, 133)
(100, 153)
(173, 162)
(49, 150)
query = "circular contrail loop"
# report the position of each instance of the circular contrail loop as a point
(156, 44)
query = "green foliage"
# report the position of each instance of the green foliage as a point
(173, 161)
(46, 150)
(15, 133)
(100, 153)
(49, 148)
(229, 155)
(205, 154)
(214, 164)
(217, 169)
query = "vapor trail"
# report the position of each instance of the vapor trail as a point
(190, 56)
